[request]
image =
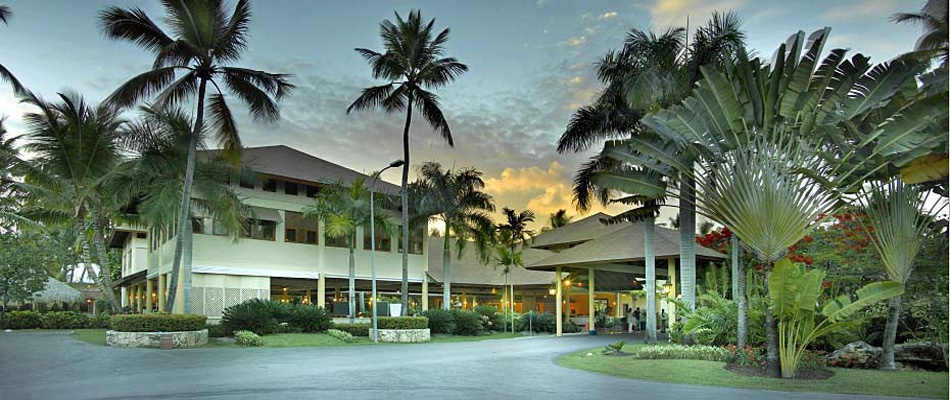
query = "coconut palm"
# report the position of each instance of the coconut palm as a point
(207, 39)
(413, 64)
(10, 195)
(932, 44)
(455, 198)
(75, 156)
(900, 220)
(557, 220)
(344, 208)
(5, 74)
(512, 235)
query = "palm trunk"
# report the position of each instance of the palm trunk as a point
(184, 214)
(511, 302)
(105, 270)
(352, 278)
(649, 228)
(504, 305)
(446, 270)
(404, 191)
(894, 306)
(688, 242)
(772, 358)
(742, 336)
(85, 252)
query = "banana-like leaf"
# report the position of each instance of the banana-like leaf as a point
(843, 308)
(632, 181)
(926, 169)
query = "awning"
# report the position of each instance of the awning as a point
(275, 273)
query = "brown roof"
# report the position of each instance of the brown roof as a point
(578, 231)
(623, 245)
(469, 270)
(291, 163)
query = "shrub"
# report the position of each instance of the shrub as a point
(309, 318)
(747, 356)
(677, 352)
(354, 329)
(614, 347)
(64, 320)
(248, 339)
(403, 322)
(218, 330)
(345, 337)
(100, 321)
(21, 320)
(440, 321)
(491, 318)
(256, 315)
(812, 360)
(158, 322)
(543, 322)
(467, 323)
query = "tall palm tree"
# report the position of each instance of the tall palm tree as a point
(512, 235)
(900, 220)
(11, 195)
(206, 41)
(5, 74)
(343, 209)
(557, 220)
(413, 64)
(75, 156)
(456, 198)
(932, 44)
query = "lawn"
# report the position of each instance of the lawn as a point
(92, 336)
(710, 373)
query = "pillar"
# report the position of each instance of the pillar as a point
(136, 298)
(425, 294)
(308, 297)
(559, 308)
(162, 292)
(672, 311)
(322, 290)
(590, 301)
(148, 296)
(124, 300)
(618, 309)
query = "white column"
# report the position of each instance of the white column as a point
(322, 291)
(162, 289)
(425, 294)
(559, 308)
(590, 301)
(672, 268)
(148, 296)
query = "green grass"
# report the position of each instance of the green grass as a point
(91, 336)
(309, 340)
(454, 339)
(711, 373)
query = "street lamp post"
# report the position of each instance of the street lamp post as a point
(372, 239)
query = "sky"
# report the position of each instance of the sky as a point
(531, 64)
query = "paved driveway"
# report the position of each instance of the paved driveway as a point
(53, 365)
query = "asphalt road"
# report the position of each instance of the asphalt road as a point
(53, 365)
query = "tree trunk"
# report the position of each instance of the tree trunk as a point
(184, 214)
(772, 358)
(404, 191)
(446, 270)
(511, 287)
(742, 335)
(85, 252)
(105, 270)
(352, 279)
(649, 228)
(688, 242)
(504, 304)
(894, 306)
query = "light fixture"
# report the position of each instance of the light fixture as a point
(567, 282)
(372, 238)
(552, 291)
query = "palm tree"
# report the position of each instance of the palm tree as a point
(75, 156)
(512, 235)
(557, 220)
(932, 44)
(413, 65)
(5, 74)
(207, 40)
(11, 195)
(456, 198)
(343, 209)
(900, 220)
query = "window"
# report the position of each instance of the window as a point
(140, 235)
(383, 240)
(312, 191)
(197, 225)
(298, 229)
(269, 185)
(246, 185)
(290, 188)
(260, 229)
(337, 242)
(415, 241)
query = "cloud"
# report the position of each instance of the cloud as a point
(665, 13)
(863, 10)
(543, 2)
(607, 15)
(576, 41)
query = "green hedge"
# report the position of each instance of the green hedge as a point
(158, 322)
(403, 322)
(354, 329)
(440, 321)
(21, 320)
(64, 320)
(467, 323)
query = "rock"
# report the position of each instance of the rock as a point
(856, 355)
(921, 356)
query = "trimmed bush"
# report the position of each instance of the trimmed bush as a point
(491, 318)
(218, 330)
(248, 339)
(677, 352)
(345, 337)
(158, 322)
(467, 323)
(21, 320)
(100, 321)
(543, 322)
(403, 322)
(256, 315)
(440, 321)
(309, 318)
(354, 329)
(64, 320)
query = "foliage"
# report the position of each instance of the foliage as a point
(261, 316)
(466, 323)
(64, 320)
(747, 356)
(403, 322)
(100, 321)
(158, 322)
(343, 336)
(491, 318)
(678, 352)
(20, 320)
(248, 339)
(440, 321)
(308, 318)
(537, 322)
(354, 329)
(812, 360)
(218, 330)
(615, 347)
(23, 266)
(714, 322)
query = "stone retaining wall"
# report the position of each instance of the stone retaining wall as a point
(403, 335)
(153, 339)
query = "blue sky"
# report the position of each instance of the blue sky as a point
(531, 65)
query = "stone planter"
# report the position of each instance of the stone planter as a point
(164, 340)
(403, 335)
